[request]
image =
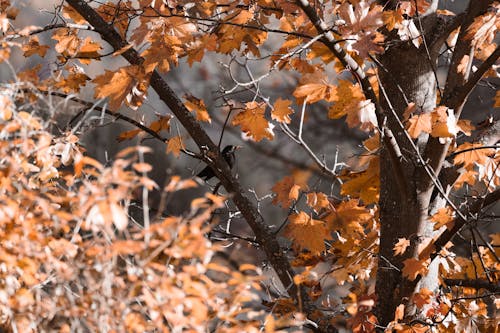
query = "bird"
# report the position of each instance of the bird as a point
(228, 154)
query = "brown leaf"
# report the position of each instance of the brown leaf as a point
(401, 246)
(307, 233)
(197, 105)
(175, 146)
(282, 111)
(286, 192)
(253, 122)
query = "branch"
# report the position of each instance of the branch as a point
(270, 245)
(459, 222)
(451, 156)
(477, 284)
(463, 92)
(435, 152)
(349, 63)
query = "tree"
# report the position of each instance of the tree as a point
(390, 231)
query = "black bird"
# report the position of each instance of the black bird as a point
(228, 154)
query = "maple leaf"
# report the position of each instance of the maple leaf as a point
(163, 51)
(317, 200)
(70, 13)
(422, 297)
(286, 192)
(314, 92)
(197, 105)
(351, 217)
(443, 217)
(67, 41)
(127, 84)
(444, 123)
(414, 267)
(242, 17)
(33, 47)
(163, 123)
(365, 184)
(88, 49)
(73, 82)
(282, 111)
(128, 135)
(307, 233)
(175, 146)
(472, 156)
(253, 122)
(196, 49)
(401, 246)
(418, 124)
(349, 100)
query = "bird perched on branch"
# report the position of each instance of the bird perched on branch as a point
(228, 154)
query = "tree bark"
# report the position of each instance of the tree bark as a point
(407, 77)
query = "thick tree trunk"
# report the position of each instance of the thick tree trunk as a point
(407, 77)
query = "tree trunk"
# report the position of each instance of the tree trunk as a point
(407, 77)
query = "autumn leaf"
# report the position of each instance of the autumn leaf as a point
(414, 267)
(282, 111)
(349, 101)
(242, 17)
(422, 298)
(128, 84)
(286, 192)
(253, 122)
(444, 217)
(73, 82)
(364, 185)
(197, 105)
(401, 246)
(128, 135)
(175, 146)
(317, 200)
(67, 41)
(418, 124)
(307, 233)
(475, 154)
(444, 123)
(162, 124)
(33, 47)
(163, 52)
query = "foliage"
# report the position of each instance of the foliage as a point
(74, 258)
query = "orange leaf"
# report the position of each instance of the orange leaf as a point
(163, 123)
(444, 123)
(175, 146)
(422, 297)
(444, 216)
(282, 111)
(307, 233)
(317, 201)
(127, 135)
(253, 122)
(314, 92)
(127, 84)
(197, 105)
(34, 47)
(401, 246)
(473, 156)
(418, 124)
(286, 191)
(414, 267)
(365, 184)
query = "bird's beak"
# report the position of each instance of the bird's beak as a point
(238, 147)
